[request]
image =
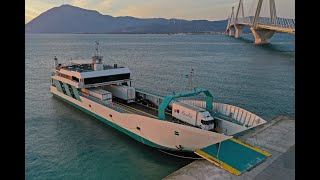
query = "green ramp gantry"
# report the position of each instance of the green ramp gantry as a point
(166, 101)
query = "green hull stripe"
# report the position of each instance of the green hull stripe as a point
(135, 136)
(58, 86)
(66, 87)
(76, 94)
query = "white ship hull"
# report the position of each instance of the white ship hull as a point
(149, 131)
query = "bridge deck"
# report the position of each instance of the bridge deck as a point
(278, 29)
(270, 27)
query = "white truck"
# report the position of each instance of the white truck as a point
(125, 93)
(193, 115)
(101, 94)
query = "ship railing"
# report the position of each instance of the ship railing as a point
(230, 113)
(240, 115)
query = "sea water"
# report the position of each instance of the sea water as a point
(62, 142)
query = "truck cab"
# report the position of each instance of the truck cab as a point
(205, 120)
(193, 115)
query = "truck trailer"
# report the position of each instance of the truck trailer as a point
(101, 94)
(123, 92)
(193, 115)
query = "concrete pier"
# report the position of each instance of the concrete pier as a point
(231, 31)
(262, 36)
(276, 137)
(238, 29)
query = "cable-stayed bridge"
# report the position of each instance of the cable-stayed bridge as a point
(263, 21)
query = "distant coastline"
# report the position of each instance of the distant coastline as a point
(189, 33)
(67, 19)
(178, 33)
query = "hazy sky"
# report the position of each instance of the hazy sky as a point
(181, 9)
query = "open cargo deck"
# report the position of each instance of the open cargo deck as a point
(138, 108)
(135, 109)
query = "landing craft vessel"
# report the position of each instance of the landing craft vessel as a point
(164, 122)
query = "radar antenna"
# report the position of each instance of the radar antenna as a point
(190, 76)
(96, 58)
(97, 48)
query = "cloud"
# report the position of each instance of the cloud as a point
(35, 7)
(32, 12)
(98, 5)
(104, 5)
(80, 3)
(186, 9)
(181, 9)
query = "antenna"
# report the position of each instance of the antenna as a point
(96, 59)
(190, 76)
(97, 48)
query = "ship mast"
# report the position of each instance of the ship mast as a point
(190, 76)
(96, 59)
(97, 48)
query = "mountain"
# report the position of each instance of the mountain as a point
(71, 19)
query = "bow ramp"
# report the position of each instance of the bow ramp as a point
(233, 155)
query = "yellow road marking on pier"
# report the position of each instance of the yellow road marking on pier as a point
(217, 162)
(251, 147)
(122, 108)
(118, 105)
(137, 110)
(152, 108)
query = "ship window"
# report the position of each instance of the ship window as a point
(176, 133)
(71, 91)
(138, 128)
(62, 87)
(207, 122)
(102, 79)
(110, 115)
(89, 105)
(75, 79)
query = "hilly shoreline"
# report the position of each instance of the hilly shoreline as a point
(67, 19)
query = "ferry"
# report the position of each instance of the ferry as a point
(167, 122)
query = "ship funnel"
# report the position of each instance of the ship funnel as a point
(56, 63)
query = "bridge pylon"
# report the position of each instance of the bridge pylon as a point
(263, 36)
(238, 27)
(238, 30)
(262, 28)
(231, 31)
